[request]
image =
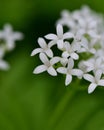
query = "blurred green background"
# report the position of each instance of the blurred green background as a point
(42, 102)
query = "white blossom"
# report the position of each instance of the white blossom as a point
(82, 67)
(7, 43)
(69, 71)
(81, 45)
(64, 61)
(94, 64)
(60, 37)
(70, 51)
(95, 80)
(47, 65)
(9, 37)
(44, 48)
(86, 46)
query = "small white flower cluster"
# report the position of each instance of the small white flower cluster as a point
(81, 47)
(7, 43)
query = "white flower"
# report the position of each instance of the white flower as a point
(95, 80)
(3, 65)
(63, 61)
(82, 67)
(94, 64)
(70, 51)
(100, 54)
(60, 37)
(86, 46)
(44, 48)
(67, 19)
(9, 37)
(69, 71)
(47, 65)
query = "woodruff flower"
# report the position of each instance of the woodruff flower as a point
(95, 80)
(60, 37)
(44, 48)
(69, 71)
(7, 43)
(70, 51)
(79, 51)
(94, 64)
(47, 65)
(8, 37)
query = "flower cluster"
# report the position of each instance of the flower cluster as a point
(7, 43)
(81, 47)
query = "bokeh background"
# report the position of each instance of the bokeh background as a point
(42, 102)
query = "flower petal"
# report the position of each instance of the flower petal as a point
(52, 71)
(67, 46)
(51, 37)
(43, 58)
(62, 70)
(70, 63)
(92, 87)
(101, 82)
(68, 35)
(51, 43)
(68, 79)
(89, 77)
(59, 30)
(77, 72)
(98, 75)
(42, 43)
(74, 56)
(98, 62)
(54, 60)
(49, 53)
(64, 61)
(8, 29)
(92, 34)
(36, 51)
(40, 69)
(18, 36)
(60, 44)
(65, 54)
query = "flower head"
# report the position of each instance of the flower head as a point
(80, 50)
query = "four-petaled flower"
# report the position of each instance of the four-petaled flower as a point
(44, 48)
(69, 71)
(9, 37)
(60, 37)
(95, 80)
(7, 43)
(47, 65)
(94, 64)
(70, 51)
